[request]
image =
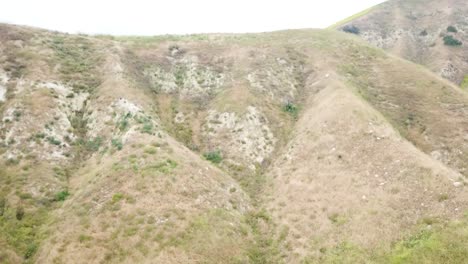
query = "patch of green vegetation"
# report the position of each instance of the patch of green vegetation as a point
(179, 76)
(291, 109)
(93, 144)
(183, 133)
(19, 212)
(21, 229)
(344, 253)
(17, 114)
(464, 83)
(54, 141)
(443, 243)
(117, 143)
(40, 135)
(337, 219)
(443, 197)
(12, 162)
(213, 156)
(164, 167)
(265, 248)
(147, 128)
(84, 238)
(124, 123)
(62, 195)
(150, 150)
(79, 123)
(451, 41)
(2, 205)
(117, 197)
(78, 61)
(219, 237)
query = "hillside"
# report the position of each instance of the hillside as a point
(298, 146)
(428, 32)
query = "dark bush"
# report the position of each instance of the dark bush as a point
(291, 108)
(452, 29)
(19, 212)
(423, 33)
(451, 41)
(2, 205)
(351, 29)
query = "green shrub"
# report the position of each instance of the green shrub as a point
(19, 212)
(94, 144)
(40, 135)
(30, 250)
(117, 197)
(54, 141)
(452, 29)
(213, 156)
(123, 123)
(451, 41)
(147, 128)
(117, 143)
(62, 195)
(291, 109)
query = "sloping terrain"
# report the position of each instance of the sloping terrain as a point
(431, 33)
(302, 146)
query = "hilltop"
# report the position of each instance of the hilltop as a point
(428, 32)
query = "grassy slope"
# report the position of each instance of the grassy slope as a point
(124, 191)
(406, 29)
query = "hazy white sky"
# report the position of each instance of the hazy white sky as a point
(140, 17)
